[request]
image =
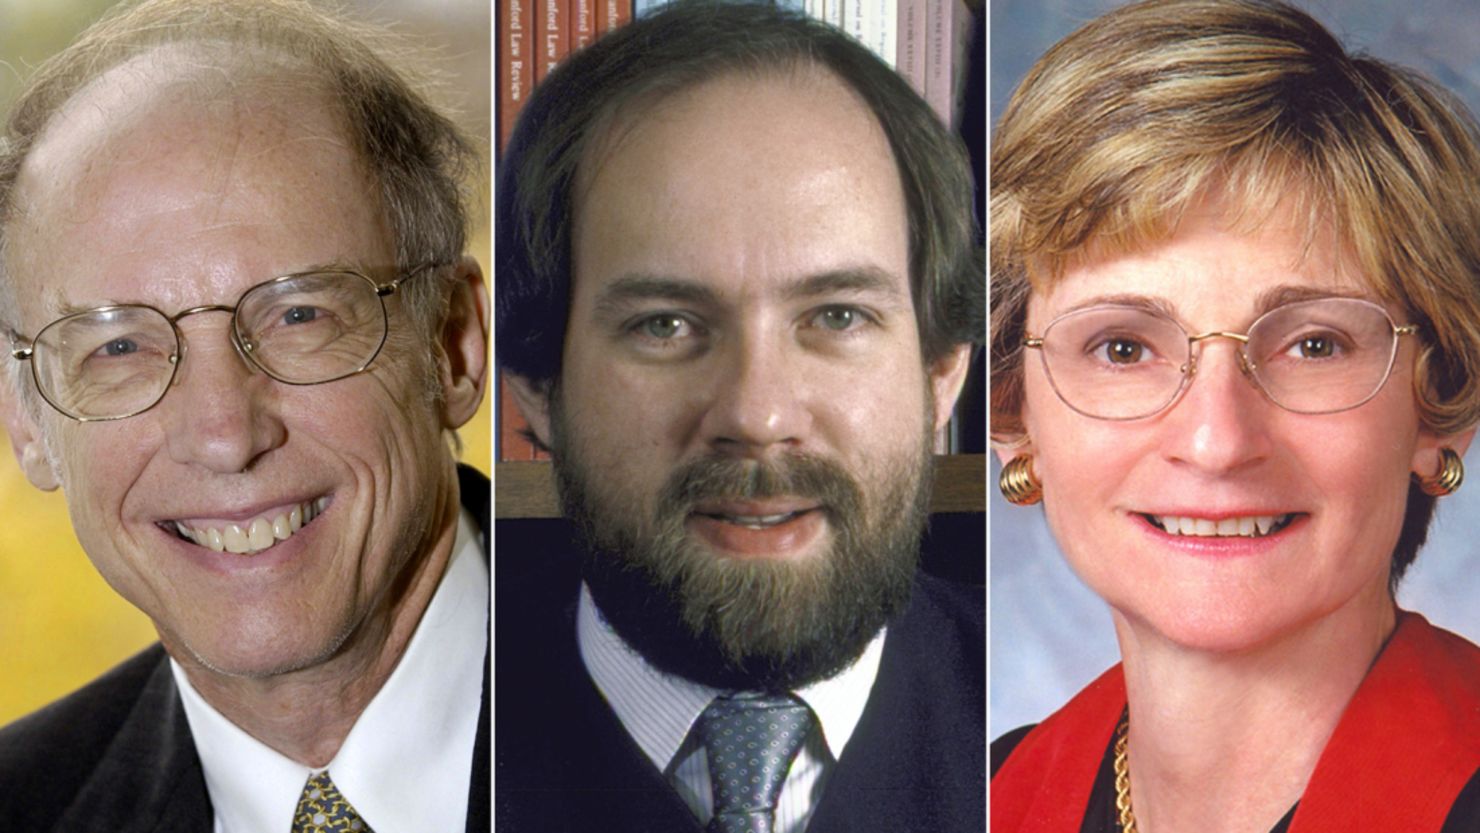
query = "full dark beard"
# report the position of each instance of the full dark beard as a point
(752, 624)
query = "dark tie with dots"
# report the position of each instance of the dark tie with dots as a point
(322, 809)
(751, 741)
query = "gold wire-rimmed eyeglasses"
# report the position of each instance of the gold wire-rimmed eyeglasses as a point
(118, 361)
(1124, 361)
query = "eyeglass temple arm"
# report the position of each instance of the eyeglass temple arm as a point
(20, 346)
(385, 289)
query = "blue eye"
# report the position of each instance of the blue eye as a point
(837, 318)
(663, 327)
(300, 315)
(120, 347)
(840, 318)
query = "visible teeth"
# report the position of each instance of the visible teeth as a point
(758, 521)
(1248, 526)
(259, 533)
(235, 539)
(259, 536)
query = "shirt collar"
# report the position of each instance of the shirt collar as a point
(658, 708)
(407, 762)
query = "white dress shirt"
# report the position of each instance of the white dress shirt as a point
(407, 762)
(659, 709)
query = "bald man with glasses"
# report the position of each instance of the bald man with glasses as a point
(241, 331)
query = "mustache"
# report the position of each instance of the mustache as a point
(728, 478)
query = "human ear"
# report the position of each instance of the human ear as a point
(26, 439)
(947, 375)
(533, 399)
(464, 344)
(1426, 461)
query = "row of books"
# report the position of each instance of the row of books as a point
(923, 40)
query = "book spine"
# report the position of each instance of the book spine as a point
(642, 8)
(910, 46)
(612, 13)
(583, 16)
(832, 11)
(939, 89)
(884, 31)
(553, 34)
(516, 69)
(854, 22)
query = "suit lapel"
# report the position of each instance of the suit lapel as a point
(474, 488)
(565, 762)
(478, 817)
(916, 761)
(149, 778)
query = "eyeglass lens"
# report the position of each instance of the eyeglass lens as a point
(119, 361)
(1312, 357)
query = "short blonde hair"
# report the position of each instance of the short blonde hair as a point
(1130, 121)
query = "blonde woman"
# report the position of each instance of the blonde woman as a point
(1235, 345)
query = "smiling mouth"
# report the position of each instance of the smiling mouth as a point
(1247, 526)
(756, 521)
(249, 537)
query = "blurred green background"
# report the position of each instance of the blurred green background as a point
(60, 624)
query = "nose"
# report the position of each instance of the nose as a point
(220, 414)
(1219, 425)
(756, 398)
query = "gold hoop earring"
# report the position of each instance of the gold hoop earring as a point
(1451, 474)
(1017, 482)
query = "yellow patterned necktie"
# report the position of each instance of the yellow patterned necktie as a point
(321, 809)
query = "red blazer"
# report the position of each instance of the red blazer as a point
(1406, 745)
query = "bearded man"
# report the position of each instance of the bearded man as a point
(738, 289)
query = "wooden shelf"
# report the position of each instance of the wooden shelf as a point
(527, 489)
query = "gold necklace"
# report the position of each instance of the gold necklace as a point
(1123, 776)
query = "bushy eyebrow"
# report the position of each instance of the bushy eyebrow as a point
(628, 288)
(863, 280)
(636, 287)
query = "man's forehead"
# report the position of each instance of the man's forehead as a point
(755, 185)
(167, 131)
(198, 90)
(615, 127)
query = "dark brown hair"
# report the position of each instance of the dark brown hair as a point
(683, 45)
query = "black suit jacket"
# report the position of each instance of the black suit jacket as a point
(915, 762)
(117, 756)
